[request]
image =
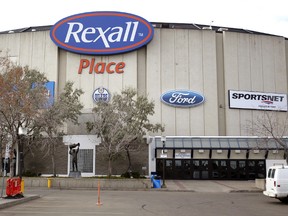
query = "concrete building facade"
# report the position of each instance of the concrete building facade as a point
(211, 61)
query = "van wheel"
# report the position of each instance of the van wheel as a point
(284, 200)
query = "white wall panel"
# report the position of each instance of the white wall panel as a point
(51, 59)
(38, 50)
(268, 61)
(153, 76)
(196, 81)
(230, 41)
(244, 74)
(168, 78)
(210, 84)
(130, 71)
(26, 40)
(256, 63)
(280, 65)
(13, 45)
(3, 43)
(182, 79)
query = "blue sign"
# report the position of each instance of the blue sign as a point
(50, 86)
(101, 94)
(101, 33)
(50, 91)
(182, 98)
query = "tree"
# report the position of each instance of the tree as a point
(24, 103)
(20, 103)
(272, 124)
(66, 108)
(121, 125)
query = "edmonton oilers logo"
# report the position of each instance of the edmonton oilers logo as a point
(101, 94)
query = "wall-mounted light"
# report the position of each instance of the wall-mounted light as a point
(222, 29)
(275, 151)
(237, 151)
(256, 151)
(207, 28)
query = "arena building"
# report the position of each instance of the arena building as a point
(206, 82)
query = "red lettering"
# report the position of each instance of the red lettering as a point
(119, 67)
(92, 65)
(102, 66)
(84, 63)
(109, 66)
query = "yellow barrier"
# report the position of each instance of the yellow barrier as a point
(22, 186)
(49, 182)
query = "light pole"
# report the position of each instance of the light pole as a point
(7, 153)
(22, 132)
(163, 139)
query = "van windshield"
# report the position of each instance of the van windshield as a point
(271, 173)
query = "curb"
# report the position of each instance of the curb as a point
(245, 191)
(11, 202)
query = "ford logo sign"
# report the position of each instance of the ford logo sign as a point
(182, 98)
(101, 33)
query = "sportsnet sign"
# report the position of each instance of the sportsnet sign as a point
(257, 100)
(101, 33)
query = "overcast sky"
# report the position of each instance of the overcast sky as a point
(267, 16)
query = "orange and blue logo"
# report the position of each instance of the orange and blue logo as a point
(102, 33)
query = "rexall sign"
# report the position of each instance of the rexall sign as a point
(101, 33)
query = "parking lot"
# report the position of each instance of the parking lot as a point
(153, 202)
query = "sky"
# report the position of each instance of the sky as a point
(266, 16)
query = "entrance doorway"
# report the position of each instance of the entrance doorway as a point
(211, 169)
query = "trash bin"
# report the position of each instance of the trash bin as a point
(156, 181)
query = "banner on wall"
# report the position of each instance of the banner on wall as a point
(50, 93)
(257, 100)
(50, 86)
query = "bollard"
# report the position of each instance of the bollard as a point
(49, 181)
(98, 201)
(22, 186)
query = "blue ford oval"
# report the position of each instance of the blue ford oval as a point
(182, 98)
(100, 33)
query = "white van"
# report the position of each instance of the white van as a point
(277, 183)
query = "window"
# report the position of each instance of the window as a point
(273, 173)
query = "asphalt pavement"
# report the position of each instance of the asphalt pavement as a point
(206, 186)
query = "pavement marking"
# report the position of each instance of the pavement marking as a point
(181, 186)
(78, 213)
(224, 185)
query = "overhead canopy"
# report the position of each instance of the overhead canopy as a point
(219, 142)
